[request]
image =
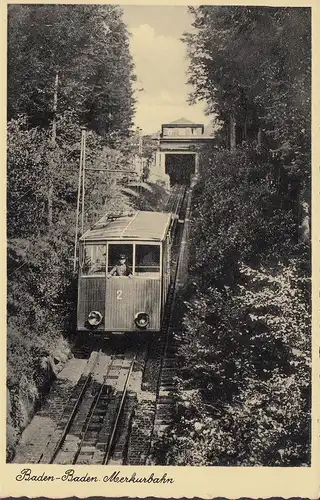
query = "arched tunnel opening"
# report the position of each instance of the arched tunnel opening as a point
(180, 167)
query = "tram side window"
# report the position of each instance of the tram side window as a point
(120, 259)
(93, 260)
(148, 261)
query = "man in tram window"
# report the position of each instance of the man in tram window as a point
(121, 268)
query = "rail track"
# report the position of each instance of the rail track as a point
(87, 432)
(175, 199)
(95, 423)
(165, 403)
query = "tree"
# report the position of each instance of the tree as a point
(252, 66)
(65, 62)
(26, 179)
(86, 48)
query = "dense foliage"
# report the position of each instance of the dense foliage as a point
(253, 64)
(87, 48)
(68, 66)
(34, 164)
(253, 387)
(242, 213)
(244, 363)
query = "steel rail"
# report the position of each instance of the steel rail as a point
(180, 200)
(92, 410)
(174, 198)
(169, 204)
(115, 425)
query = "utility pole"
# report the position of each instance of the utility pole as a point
(140, 140)
(83, 175)
(80, 178)
(139, 130)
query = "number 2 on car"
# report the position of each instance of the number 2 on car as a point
(119, 294)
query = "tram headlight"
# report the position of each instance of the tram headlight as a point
(94, 318)
(142, 320)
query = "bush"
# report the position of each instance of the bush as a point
(245, 372)
(239, 213)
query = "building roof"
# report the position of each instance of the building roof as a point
(145, 226)
(182, 121)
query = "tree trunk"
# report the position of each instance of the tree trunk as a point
(232, 125)
(49, 197)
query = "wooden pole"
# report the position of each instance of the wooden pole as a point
(78, 201)
(83, 177)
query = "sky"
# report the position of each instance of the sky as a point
(160, 65)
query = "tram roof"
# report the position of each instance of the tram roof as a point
(146, 226)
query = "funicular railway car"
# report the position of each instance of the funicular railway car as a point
(124, 273)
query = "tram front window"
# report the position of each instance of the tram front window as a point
(93, 260)
(147, 261)
(120, 258)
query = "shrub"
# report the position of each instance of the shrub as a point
(239, 213)
(247, 361)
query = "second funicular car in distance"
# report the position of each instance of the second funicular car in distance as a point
(124, 272)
